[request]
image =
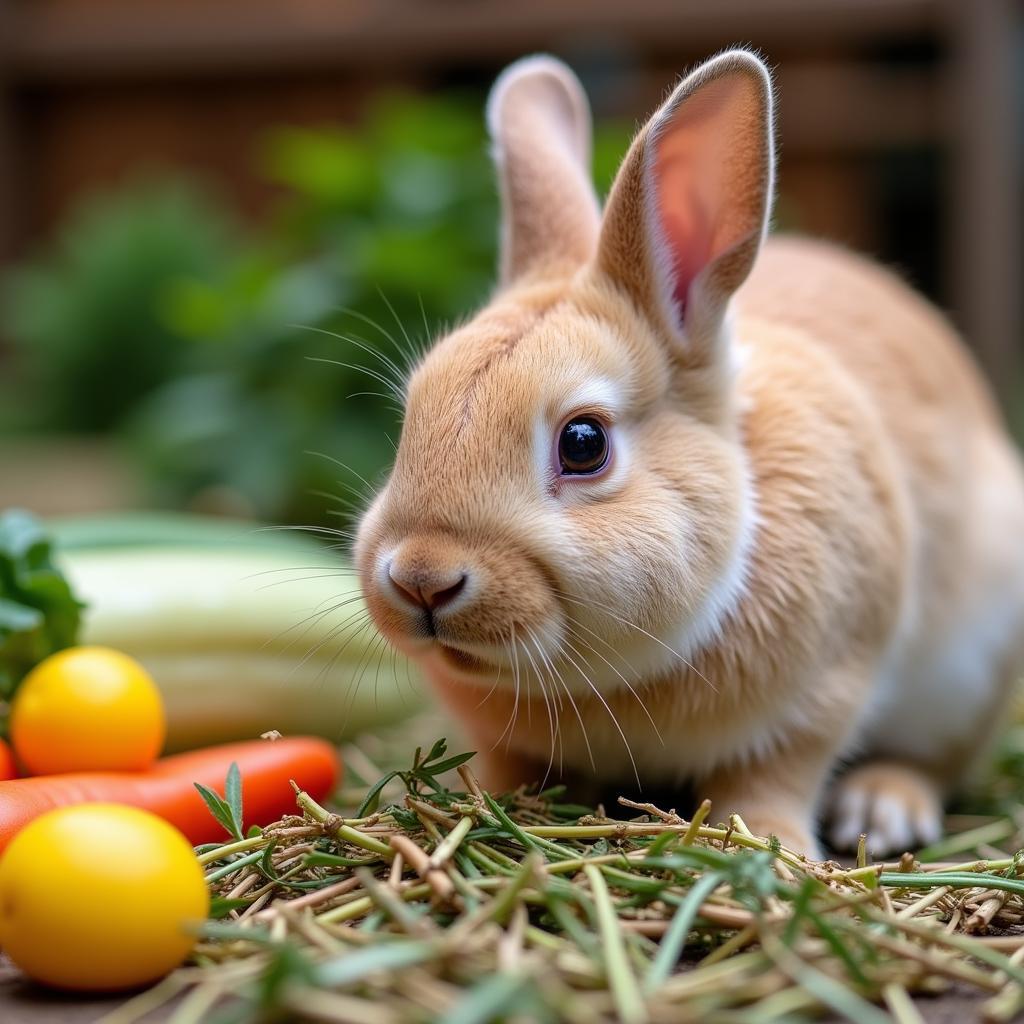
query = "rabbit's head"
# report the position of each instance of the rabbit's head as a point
(570, 499)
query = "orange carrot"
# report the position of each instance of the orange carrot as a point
(8, 769)
(266, 767)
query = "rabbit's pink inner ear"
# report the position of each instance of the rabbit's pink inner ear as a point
(686, 231)
(685, 217)
(705, 179)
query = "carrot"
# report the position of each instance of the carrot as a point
(167, 789)
(8, 769)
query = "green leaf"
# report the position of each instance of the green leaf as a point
(405, 818)
(451, 762)
(236, 933)
(221, 907)
(437, 750)
(549, 850)
(220, 809)
(804, 911)
(501, 996)
(353, 967)
(39, 614)
(372, 799)
(674, 941)
(18, 617)
(233, 795)
(836, 996)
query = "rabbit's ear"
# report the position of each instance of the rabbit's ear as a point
(539, 122)
(690, 206)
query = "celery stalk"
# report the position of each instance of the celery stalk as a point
(244, 640)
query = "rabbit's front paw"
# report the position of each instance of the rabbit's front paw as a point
(895, 805)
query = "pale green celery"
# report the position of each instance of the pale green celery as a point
(244, 641)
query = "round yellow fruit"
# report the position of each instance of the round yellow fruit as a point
(87, 709)
(99, 897)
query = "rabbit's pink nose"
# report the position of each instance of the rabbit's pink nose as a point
(429, 591)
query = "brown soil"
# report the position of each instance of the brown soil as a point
(21, 1002)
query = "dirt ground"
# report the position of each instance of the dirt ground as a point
(24, 1003)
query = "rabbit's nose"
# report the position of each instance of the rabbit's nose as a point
(426, 590)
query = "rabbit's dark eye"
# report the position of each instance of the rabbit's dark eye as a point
(582, 446)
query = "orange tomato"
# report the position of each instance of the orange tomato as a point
(8, 769)
(87, 709)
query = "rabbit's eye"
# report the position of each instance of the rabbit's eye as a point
(583, 446)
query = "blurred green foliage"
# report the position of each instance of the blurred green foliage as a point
(39, 614)
(243, 370)
(85, 317)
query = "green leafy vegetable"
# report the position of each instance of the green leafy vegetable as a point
(39, 614)
(423, 774)
(228, 812)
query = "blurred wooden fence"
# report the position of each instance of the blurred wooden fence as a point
(92, 88)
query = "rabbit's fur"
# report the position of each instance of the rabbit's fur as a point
(807, 549)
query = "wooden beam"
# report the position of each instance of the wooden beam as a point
(984, 201)
(11, 206)
(62, 39)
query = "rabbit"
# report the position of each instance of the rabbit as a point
(691, 506)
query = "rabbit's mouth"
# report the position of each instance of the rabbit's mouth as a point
(463, 660)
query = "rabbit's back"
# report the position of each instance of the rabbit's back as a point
(960, 636)
(889, 337)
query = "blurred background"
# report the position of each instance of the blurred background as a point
(213, 213)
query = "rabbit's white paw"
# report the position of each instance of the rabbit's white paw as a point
(896, 806)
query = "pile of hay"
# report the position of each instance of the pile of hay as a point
(437, 901)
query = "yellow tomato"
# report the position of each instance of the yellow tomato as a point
(87, 709)
(99, 897)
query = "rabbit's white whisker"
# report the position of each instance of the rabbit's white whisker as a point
(590, 602)
(547, 706)
(611, 714)
(579, 716)
(629, 686)
(510, 724)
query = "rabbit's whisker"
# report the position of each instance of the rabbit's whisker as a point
(547, 703)
(611, 714)
(380, 378)
(556, 700)
(328, 531)
(591, 603)
(510, 725)
(397, 383)
(398, 320)
(626, 682)
(366, 659)
(497, 679)
(304, 579)
(411, 354)
(308, 621)
(556, 674)
(360, 617)
(337, 570)
(351, 506)
(426, 327)
(370, 489)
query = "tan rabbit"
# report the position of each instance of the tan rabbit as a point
(691, 506)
